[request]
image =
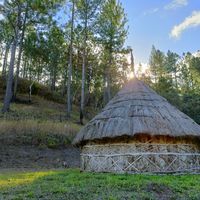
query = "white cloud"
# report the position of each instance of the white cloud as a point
(151, 11)
(189, 22)
(176, 4)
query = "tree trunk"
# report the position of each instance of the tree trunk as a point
(83, 87)
(176, 81)
(25, 67)
(5, 60)
(108, 77)
(109, 86)
(20, 54)
(2, 50)
(105, 86)
(38, 72)
(8, 95)
(133, 64)
(30, 92)
(53, 79)
(89, 77)
(70, 65)
(64, 83)
(83, 72)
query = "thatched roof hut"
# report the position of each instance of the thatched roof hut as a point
(139, 131)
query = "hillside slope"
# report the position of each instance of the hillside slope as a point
(40, 118)
(38, 135)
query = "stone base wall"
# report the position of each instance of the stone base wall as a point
(141, 158)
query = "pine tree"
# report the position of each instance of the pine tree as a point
(112, 32)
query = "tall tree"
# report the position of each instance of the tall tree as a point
(13, 11)
(157, 64)
(172, 67)
(112, 32)
(20, 48)
(69, 104)
(87, 10)
(6, 32)
(14, 18)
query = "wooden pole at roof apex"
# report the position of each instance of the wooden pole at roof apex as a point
(133, 63)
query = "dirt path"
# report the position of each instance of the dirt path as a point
(31, 157)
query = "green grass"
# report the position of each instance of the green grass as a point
(71, 184)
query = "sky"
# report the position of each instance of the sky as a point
(168, 24)
(1, 3)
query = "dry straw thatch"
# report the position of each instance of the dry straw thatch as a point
(137, 109)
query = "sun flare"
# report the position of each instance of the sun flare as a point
(131, 75)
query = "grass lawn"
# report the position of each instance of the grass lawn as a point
(71, 184)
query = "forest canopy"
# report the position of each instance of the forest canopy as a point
(77, 49)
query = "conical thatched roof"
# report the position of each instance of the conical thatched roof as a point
(138, 109)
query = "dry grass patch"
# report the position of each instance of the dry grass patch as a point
(38, 109)
(31, 132)
(40, 123)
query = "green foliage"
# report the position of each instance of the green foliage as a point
(177, 79)
(99, 33)
(191, 105)
(111, 32)
(157, 63)
(46, 46)
(111, 25)
(165, 88)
